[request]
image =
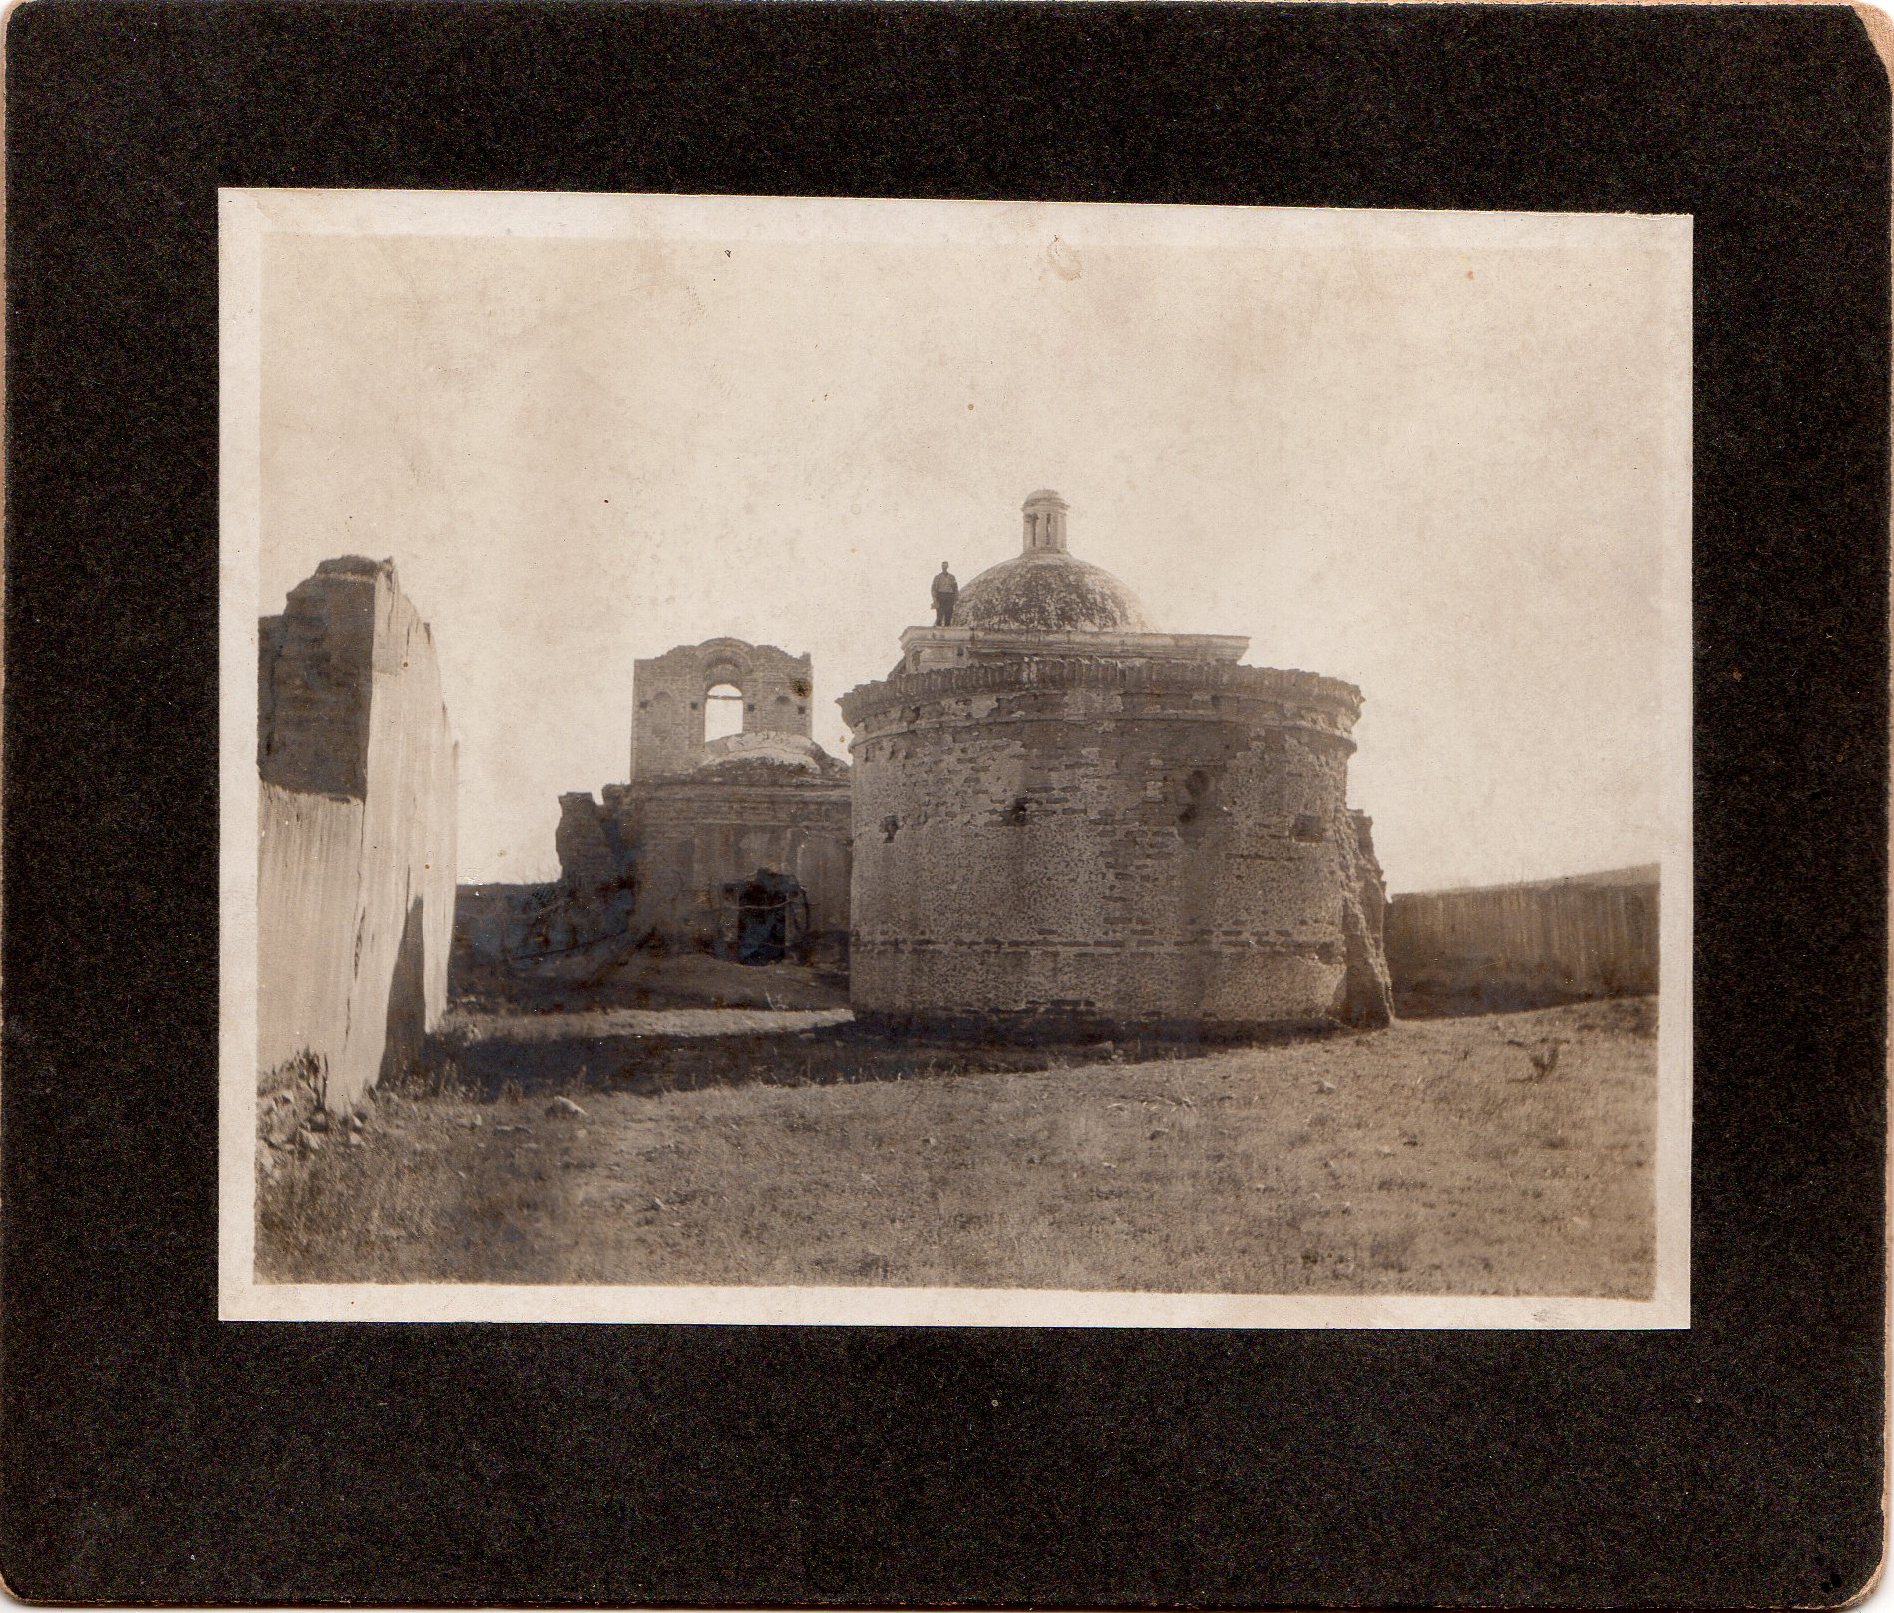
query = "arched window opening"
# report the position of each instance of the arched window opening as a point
(723, 711)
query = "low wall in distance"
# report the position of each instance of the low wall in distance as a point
(494, 920)
(1513, 946)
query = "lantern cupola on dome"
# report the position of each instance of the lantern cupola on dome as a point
(1044, 589)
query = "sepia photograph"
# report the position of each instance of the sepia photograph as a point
(959, 806)
(953, 762)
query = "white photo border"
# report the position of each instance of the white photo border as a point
(247, 216)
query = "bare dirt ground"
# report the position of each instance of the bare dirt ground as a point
(1502, 1154)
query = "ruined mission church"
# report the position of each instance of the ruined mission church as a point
(1058, 818)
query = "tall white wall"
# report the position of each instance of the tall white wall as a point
(356, 878)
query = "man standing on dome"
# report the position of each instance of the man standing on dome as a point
(945, 591)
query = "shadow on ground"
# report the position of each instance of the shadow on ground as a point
(497, 1063)
(1434, 1000)
(642, 978)
(649, 1024)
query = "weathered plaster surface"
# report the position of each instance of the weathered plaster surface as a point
(356, 833)
(668, 691)
(1110, 839)
(698, 815)
(685, 838)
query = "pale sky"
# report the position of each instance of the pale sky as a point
(1441, 456)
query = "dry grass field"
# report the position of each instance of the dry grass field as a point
(1503, 1154)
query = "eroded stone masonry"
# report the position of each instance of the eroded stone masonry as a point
(737, 843)
(1066, 819)
(355, 887)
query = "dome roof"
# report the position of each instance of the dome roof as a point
(1043, 589)
(1048, 591)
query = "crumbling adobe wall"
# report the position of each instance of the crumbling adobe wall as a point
(590, 857)
(1367, 993)
(308, 878)
(356, 806)
(691, 836)
(1125, 843)
(668, 699)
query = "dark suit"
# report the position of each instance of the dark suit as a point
(945, 592)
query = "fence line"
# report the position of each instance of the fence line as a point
(1586, 939)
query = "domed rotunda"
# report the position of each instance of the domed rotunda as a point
(1044, 589)
(1066, 822)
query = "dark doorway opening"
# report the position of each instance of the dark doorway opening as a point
(771, 917)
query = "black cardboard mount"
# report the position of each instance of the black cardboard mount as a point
(152, 1453)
